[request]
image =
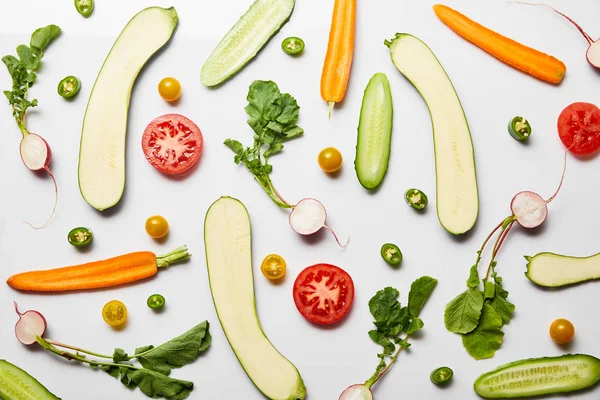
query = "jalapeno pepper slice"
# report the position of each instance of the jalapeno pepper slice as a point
(156, 301)
(391, 254)
(84, 7)
(519, 128)
(292, 45)
(69, 87)
(80, 236)
(416, 199)
(441, 375)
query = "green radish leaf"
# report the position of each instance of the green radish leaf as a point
(42, 37)
(381, 339)
(420, 290)
(154, 384)
(415, 324)
(120, 355)
(463, 312)
(490, 290)
(487, 337)
(473, 282)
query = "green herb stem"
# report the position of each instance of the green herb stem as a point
(77, 349)
(378, 374)
(505, 229)
(177, 255)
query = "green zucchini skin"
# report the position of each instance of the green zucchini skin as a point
(539, 376)
(374, 142)
(16, 384)
(556, 270)
(213, 73)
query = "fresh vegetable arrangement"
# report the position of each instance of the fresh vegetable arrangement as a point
(152, 377)
(35, 151)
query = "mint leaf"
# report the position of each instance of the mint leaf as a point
(41, 38)
(473, 281)
(154, 384)
(381, 339)
(487, 337)
(490, 290)
(176, 352)
(463, 312)
(420, 290)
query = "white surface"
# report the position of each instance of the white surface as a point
(329, 359)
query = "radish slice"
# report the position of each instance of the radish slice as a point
(308, 217)
(529, 208)
(357, 392)
(30, 325)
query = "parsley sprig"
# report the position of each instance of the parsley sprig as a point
(22, 71)
(272, 116)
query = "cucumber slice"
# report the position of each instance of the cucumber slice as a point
(555, 270)
(456, 180)
(227, 239)
(244, 40)
(374, 132)
(102, 148)
(16, 384)
(539, 376)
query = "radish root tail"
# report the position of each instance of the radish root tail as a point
(55, 202)
(336, 238)
(562, 178)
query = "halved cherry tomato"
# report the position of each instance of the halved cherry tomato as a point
(323, 293)
(172, 144)
(114, 313)
(579, 128)
(273, 267)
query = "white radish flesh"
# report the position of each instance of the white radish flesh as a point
(308, 217)
(30, 325)
(36, 156)
(593, 54)
(529, 208)
(357, 392)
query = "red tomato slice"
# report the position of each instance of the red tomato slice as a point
(323, 293)
(579, 128)
(172, 144)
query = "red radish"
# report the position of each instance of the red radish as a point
(593, 51)
(309, 216)
(30, 325)
(36, 156)
(357, 392)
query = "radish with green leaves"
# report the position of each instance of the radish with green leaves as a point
(35, 151)
(479, 313)
(273, 116)
(593, 51)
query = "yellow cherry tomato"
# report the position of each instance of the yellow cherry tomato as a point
(169, 89)
(114, 313)
(157, 226)
(273, 267)
(562, 331)
(330, 159)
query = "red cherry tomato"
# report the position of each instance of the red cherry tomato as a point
(172, 144)
(579, 128)
(323, 293)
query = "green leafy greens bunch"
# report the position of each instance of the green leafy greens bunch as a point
(152, 377)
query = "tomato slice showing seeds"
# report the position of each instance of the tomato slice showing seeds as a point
(323, 293)
(172, 144)
(579, 128)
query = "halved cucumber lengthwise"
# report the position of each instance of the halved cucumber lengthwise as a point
(539, 376)
(555, 270)
(227, 239)
(456, 181)
(244, 40)
(102, 149)
(16, 384)
(374, 132)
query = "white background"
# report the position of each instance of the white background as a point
(329, 359)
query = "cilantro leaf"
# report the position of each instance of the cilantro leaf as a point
(415, 324)
(463, 312)
(484, 340)
(420, 290)
(381, 339)
(155, 384)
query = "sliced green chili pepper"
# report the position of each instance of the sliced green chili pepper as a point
(69, 87)
(416, 199)
(84, 7)
(519, 128)
(391, 254)
(441, 375)
(80, 236)
(156, 301)
(292, 45)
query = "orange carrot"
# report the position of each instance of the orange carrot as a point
(340, 51)
(99, 274)
(526, 59)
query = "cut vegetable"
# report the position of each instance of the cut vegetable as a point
(262, 21)
(30, 325)
(456, 181)
(227, 238)
(555, 270)
(441, 376)
(80, 237)
(539, 376)
(102, 149)
(16, 384)
(374, 132)
(579, 128)
(357, 392)
(519, 128)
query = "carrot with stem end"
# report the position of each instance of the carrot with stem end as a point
(513, 53)
(114, 271)
(340, 50)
